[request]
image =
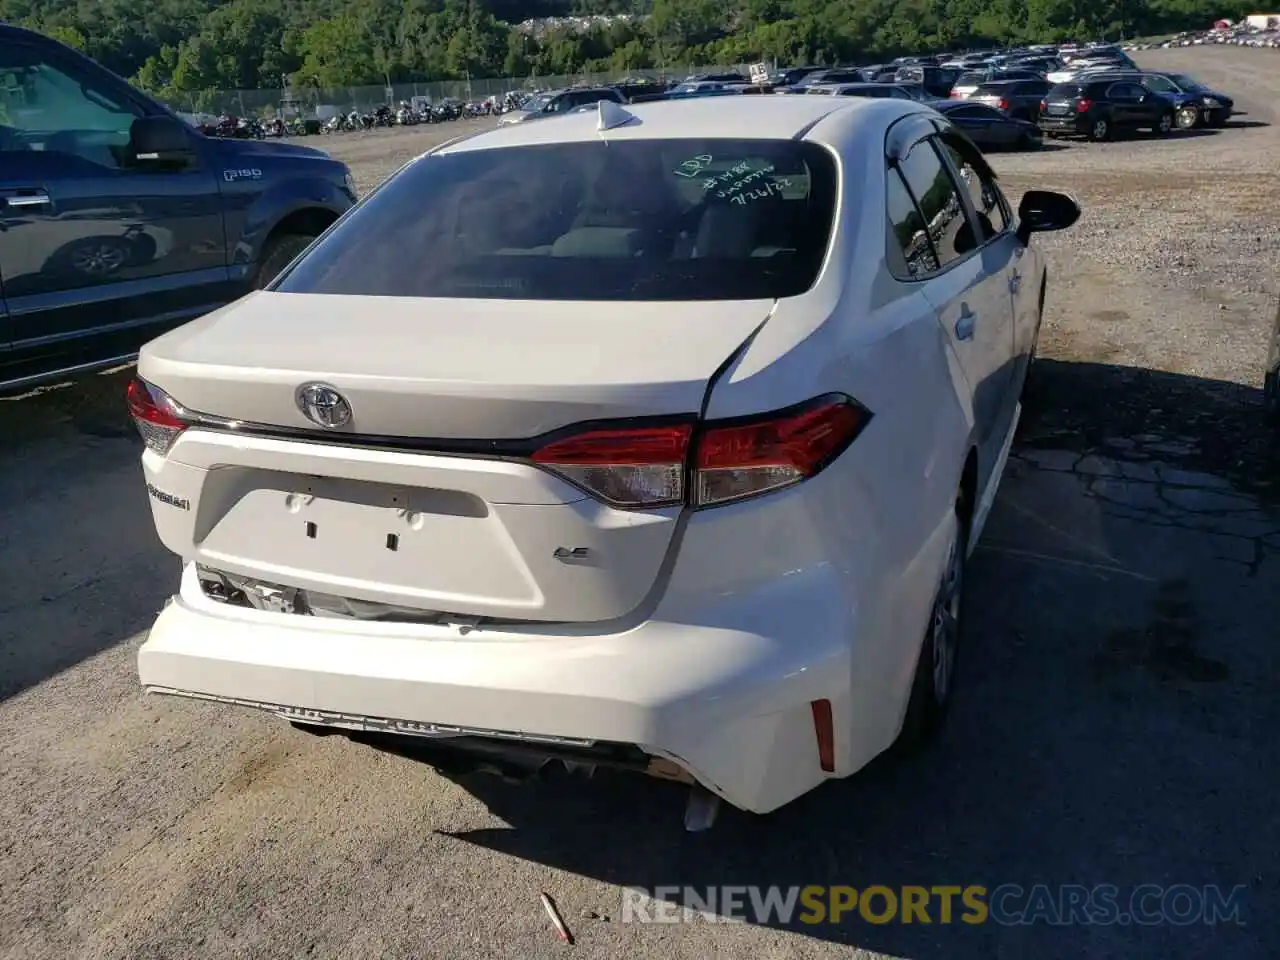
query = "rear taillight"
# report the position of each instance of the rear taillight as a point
(737, 460)
(159, 418)
(1083, 106)
(1002, 105)
(636, 467)
(1043, 105)
(727, 460)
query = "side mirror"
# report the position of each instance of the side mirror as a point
(161, 142)
(1044, 210)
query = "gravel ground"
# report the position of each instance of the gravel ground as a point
(1118, 695)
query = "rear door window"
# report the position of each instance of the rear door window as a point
(908, 228)
(707, 219)
(937, 198)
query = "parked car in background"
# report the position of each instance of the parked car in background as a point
(449, 478)
(936, 81)
(828, 76)
(556, 102)
(967, 83)
(1195, 104)
(1103, 108)
(119, 220)
(876, 90)
(1019, 99)
(987, 127)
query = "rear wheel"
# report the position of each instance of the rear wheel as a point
(1100, 130)
(931, 690)
(278, 253)
(1164, 126)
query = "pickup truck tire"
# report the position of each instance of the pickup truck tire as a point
(277, 253)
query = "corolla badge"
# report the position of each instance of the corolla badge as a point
(323, 405)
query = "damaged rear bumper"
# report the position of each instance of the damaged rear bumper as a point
(732, 707)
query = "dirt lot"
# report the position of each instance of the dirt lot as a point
(1119, 689)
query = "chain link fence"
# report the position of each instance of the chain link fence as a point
(310, 101)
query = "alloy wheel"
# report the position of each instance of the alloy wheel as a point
(1100, 129)
(99, 259)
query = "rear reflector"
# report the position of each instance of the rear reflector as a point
(158, 417)
(728, 460)
(824, 731)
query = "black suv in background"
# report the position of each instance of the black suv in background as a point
(1019, 99)
(1195, 105)
(119, 221)
(1101, 108)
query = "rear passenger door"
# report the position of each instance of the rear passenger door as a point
(965, 278)
(1128, 104)
(1002, 254)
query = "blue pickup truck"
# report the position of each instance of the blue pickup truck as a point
(118, 220)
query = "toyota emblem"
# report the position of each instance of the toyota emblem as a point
(323, 405)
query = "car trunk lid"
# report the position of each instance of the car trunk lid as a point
(417, 503)
(449, 369)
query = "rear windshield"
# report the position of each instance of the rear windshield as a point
(712, 219)
(1064, 91)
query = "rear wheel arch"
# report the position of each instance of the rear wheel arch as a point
(288, 238)
(307, 222)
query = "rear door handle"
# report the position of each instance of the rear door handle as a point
(25, 199)
(965, 323)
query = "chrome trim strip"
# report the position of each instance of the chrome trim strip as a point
(352, 721)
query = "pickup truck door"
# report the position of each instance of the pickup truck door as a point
(90, 245)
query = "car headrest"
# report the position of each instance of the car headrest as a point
(598, 242)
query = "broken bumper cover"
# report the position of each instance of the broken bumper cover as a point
(732, 706)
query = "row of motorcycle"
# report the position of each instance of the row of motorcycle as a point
(408, 115)
(405, 114)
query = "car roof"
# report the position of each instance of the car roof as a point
(752, 118)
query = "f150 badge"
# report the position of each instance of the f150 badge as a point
(179, 502)
(231, 176)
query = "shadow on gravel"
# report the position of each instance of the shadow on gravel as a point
(1210, 426)
(93, 406)
(80, 565)
(1114, 722)
(1245, 124)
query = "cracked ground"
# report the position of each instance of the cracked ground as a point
(1117, 703)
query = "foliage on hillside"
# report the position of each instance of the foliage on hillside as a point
(188, 45)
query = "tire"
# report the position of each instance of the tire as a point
(1100, 130)
(277, 253)
(1164, 126)
(933, 688)
(1188, 118)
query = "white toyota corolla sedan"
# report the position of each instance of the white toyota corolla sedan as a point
(653, 437)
